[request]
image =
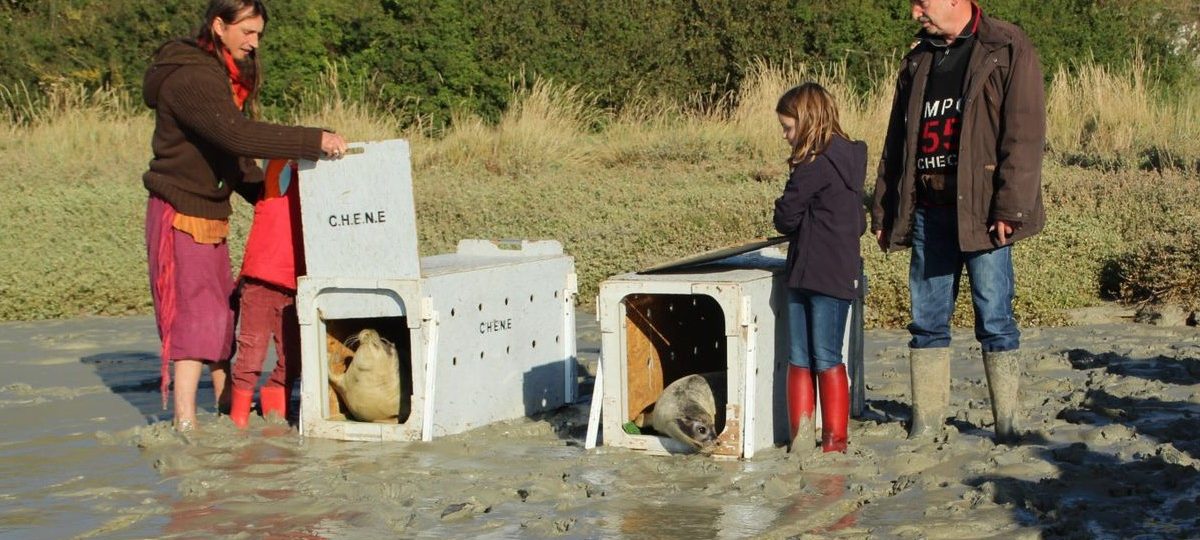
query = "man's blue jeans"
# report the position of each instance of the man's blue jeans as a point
(933, 277)
(817, 324)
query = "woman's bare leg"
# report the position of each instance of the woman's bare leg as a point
(187, 379)
(220, 381)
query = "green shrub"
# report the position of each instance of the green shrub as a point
(1164, 268)
(622, 191)
(438, 58)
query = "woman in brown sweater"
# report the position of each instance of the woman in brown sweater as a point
(203, 91)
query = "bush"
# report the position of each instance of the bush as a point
(439, 58)
(1163, 269)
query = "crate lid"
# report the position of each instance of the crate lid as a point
(714, 255)
(357, 214)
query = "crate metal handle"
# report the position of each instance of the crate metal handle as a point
(350, 151)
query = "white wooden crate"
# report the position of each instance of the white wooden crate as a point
(337, 308)
(484, 334)
(708, 321)
(727, 315)
(506, 316)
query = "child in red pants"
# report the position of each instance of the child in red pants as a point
(273, 259)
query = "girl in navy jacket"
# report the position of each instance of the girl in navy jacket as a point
(822, 212)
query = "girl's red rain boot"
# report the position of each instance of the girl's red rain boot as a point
(835, 408)
(801, 403)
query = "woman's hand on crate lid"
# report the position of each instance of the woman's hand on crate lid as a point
(333, 145)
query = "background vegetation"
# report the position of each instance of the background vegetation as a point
(626, 169)
(436, 58)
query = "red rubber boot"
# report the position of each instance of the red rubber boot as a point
(801, 402)
(273, 400)
(239, 407)
(835, 408)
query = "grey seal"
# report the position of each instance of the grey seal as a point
(370, 385)
(687, 410)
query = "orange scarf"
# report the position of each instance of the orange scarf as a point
(240, 90)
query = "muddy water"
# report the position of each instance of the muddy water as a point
(64, 386)
(1111, 452)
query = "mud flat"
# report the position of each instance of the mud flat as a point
(1112, 407)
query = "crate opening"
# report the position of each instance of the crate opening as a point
(342, 345)
(668, 337)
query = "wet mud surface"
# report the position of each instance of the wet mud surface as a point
(1110, 412)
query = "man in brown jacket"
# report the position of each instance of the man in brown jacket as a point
(960, 181)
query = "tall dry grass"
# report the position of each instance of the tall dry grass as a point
(354, 107)
(553, 125)
(860, 113)
(622, 189)
(1120, 119)
(545, 125)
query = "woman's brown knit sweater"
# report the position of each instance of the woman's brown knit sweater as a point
(203, 145)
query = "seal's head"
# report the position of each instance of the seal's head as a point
(697, 430)
(686, 411)
(371, 345)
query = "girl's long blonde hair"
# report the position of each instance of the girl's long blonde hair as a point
(816, 116)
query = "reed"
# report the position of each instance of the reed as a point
(1120, 119)
(622, 189)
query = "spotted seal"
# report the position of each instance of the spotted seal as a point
(687, 410)
(370, 385)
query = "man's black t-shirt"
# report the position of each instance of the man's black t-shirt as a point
(941, 116)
